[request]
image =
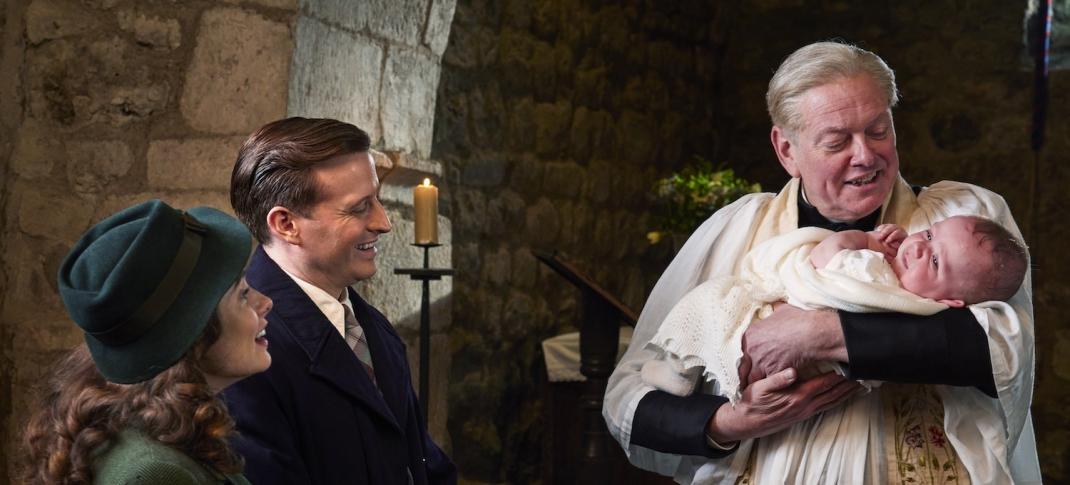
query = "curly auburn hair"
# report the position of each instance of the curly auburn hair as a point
(80, 413)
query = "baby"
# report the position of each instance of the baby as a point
(958, 261)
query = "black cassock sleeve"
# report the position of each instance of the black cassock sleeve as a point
(675, 424)
(949, 347)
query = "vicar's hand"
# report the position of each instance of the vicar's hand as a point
(776, 402)
(790, 338)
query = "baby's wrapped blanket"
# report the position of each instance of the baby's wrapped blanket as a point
(705, 328)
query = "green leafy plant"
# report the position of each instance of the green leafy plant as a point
(688, 197)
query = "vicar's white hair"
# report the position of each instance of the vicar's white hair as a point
(818, 64)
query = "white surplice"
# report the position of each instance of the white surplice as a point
(992, 437)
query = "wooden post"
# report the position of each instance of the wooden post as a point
(599, 340)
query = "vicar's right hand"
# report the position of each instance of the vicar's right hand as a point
(776, 402)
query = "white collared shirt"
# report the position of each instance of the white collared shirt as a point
(330, 306)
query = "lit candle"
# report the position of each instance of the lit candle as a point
(425, 205)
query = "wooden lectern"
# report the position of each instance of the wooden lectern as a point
(601, 458)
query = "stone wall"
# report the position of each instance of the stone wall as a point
(376, 64)
(553, 125)
(553, 119)
(110, 102)
(107, 103)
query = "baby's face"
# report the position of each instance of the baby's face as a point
(942, 261)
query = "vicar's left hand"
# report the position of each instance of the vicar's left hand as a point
(790, 338)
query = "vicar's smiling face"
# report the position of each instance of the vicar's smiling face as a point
(844, 151)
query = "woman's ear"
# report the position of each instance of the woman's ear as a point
(785, 150)
(283, 226)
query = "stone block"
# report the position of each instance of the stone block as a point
(470, 209)
(502, 209)
(410, 84)
(564, 179)
(349, 15)
(517, 316)
(437, 33)
(237, 79)
(129, 104)
(32, 264)
(527, 175)
(600, 180)
(471, 46)
(587, 132)
(92, 165)
(483, 173)
(524, 268)
(552, 121)
(37, 148)
(152, 31)
(543, 224)
(496, 267)
(521, 124)
(336, 75)
(397, 20)
(198, 163)
(53, 214)
(55, 19)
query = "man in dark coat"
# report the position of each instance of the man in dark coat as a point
(337, 405)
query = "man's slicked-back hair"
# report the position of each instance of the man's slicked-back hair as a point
(818, 64)
(274, 166)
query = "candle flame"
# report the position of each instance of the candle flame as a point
(427, 182)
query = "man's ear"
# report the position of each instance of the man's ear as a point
(282, 224)
(953, 303)
(785, 150)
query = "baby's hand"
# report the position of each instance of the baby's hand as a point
(888, 238)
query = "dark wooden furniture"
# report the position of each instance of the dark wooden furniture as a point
(594, 457)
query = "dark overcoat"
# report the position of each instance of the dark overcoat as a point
(315, 417)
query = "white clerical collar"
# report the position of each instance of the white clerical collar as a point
(331, 306)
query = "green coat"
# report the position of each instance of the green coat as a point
(137, 459)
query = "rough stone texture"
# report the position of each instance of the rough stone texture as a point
(437, 32)
(192, 163)
(550, 132)
(374, 64)
(409, 87)
(399, 21)
(91, 123)
(584, 104)
(36, 150)
(336, 75)
(151, 31)
(234, 63)
(55, 19)
(93, 165)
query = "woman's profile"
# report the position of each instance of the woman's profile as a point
(169, 321)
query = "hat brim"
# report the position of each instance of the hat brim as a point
(225, 249)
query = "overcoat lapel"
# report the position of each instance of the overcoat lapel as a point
(387, 362)
(330, 357)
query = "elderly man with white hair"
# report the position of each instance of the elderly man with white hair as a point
(960, 410)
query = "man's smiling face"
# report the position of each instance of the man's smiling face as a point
(341, 230)
(845, 150)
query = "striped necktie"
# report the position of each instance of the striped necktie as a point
(359, 343)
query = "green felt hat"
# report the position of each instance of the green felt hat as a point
(143, 283)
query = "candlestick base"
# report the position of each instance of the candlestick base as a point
(425, 275)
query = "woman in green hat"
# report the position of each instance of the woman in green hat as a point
(169, 321)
